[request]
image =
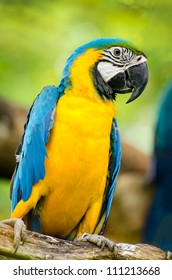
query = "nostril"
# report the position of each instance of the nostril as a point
(139, 58)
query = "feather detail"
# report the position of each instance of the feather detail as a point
(113, 170)
(31, 152)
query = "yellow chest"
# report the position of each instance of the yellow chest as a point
(77, 164)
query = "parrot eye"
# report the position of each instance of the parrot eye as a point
(118, 55)
(117, 52)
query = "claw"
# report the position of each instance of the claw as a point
(19, 231)
(99, 241)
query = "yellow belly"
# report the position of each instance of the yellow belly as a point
(77, 163)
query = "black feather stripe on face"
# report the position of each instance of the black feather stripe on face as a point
(102, 87)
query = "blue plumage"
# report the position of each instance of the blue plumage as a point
(113, 169)
(158, 229)
(30, 168)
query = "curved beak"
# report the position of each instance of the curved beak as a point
(138, 76)
(133, 79)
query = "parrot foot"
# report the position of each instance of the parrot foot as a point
(19, 229)
(100, 241)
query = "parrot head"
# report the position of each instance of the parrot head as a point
(116, 66)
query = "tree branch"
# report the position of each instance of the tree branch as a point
(43, 247)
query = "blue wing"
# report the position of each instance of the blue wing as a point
(32, 150)
(113, 169)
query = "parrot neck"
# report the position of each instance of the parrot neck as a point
(81, 78)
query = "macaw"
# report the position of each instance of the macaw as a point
(69, 156)
(158, 227)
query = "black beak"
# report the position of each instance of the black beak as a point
(133, 79)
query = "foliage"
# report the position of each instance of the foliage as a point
(37, 37)
(4, 200)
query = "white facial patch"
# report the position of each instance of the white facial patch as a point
(108, 70)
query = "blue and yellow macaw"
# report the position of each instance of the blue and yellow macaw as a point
(158, 228)
(69, 156)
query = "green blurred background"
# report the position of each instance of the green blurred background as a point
(37, 36)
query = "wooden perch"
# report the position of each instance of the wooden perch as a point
(43, 247)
